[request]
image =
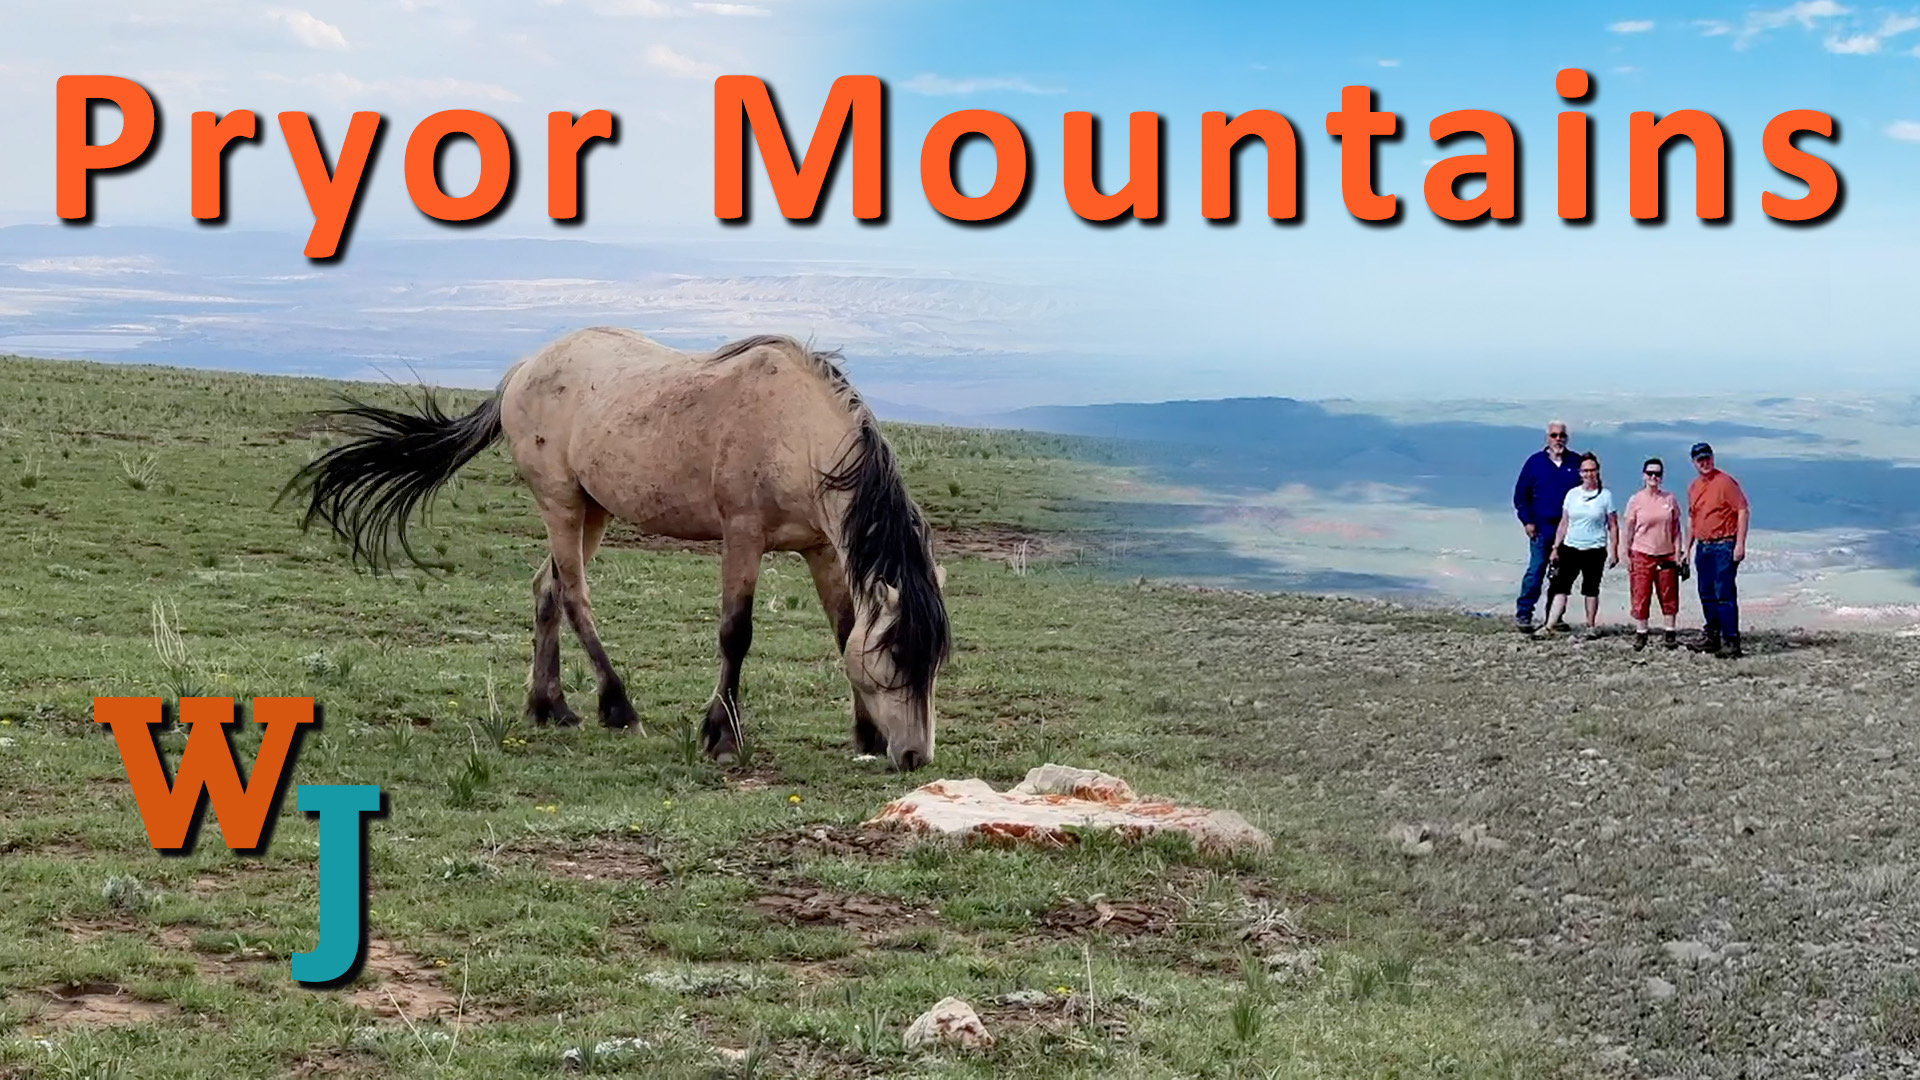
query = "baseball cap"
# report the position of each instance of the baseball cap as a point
(1700, 450)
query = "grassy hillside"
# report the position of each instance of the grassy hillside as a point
(538, 890)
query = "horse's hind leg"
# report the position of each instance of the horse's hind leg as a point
(739, 574)
(830, 581)
(573, 533)
(546, 702)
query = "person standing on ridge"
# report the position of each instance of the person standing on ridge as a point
(1538, 497)
(1717, 516)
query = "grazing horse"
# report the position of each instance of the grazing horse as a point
(762, 445)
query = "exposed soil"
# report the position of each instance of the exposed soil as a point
(1121, 917)
(97, 1005)
(867, 916)
(789, 846)
(394, 984)
(602, 858)
(391, 982)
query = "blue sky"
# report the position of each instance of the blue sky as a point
(1185, 308)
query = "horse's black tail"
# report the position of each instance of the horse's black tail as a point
(367, 488)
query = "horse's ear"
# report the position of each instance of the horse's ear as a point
(940, 577)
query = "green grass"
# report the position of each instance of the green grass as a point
(567, 888)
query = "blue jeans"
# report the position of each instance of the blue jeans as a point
(1538, 549)
(1719, 597)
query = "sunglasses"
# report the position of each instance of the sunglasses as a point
(1556, 434)
(1655, 472)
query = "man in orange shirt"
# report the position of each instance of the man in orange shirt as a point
(1717, 520)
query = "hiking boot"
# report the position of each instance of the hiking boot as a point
(1709, 643)
(1560, 627)
(1640, 641)
(1671, 640)
(1730, 651)
(1525, 626)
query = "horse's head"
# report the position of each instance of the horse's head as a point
(896, 648)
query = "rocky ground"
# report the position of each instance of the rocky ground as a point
(1703, 866)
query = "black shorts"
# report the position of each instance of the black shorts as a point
(1587, 564)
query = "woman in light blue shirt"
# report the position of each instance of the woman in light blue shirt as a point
(1588, 542)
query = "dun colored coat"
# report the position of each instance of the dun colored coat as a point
(762, 445)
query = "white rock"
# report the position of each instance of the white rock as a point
(1690, 952)
(1051, 801)
(1660, 989)
(950, 1023)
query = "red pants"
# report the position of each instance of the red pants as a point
(1644, 576)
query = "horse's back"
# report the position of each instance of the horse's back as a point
(674, 442)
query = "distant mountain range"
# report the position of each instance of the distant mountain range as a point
(1799, 480)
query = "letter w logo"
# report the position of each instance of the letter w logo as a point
(207, 764)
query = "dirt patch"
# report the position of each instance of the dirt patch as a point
(866, 915)
(179, 939)
(394, 984)
(335, 1062)
(64, 848)
(1122, 917)
(1055, 1013)
(601, 858)
(813, 841)
(99, 1005)
(1002, 543)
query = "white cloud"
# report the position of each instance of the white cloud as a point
(1807, 13)
(1863, 43)
(940, 86)
(1625, 69)
(1855, 45)
(310, 31)
(1713, 27)
(1904, 130)
(1632, 26)
(340, 84)
(1389, 63)
(731, 9)
(679, 64)
(652, 9)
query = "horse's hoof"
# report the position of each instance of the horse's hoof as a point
(543, 713)
(617, 712)
(718, 735)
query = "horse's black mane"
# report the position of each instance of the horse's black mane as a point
(885, 541)
(884, 536)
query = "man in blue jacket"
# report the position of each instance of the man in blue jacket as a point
(1537, 498)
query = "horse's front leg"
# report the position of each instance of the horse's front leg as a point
(739, 573)
(830, 581)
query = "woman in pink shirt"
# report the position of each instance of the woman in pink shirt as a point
(1653, 527)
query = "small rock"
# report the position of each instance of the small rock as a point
(1291, 964)
(1660, 989)
(1414, 841)
(1692, 953)
(730, 1056)
(1024, 999)
(952, 1022)
(1476, 838)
